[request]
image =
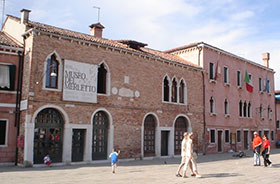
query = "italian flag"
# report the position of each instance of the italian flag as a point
(249, 87)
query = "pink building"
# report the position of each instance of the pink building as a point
(239, 97)
(9, 94)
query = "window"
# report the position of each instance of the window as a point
(174, 91)
(226, 75)
(261, 111)
(212, 105)
(52, 72)
(7, 77)
(266, 133)
(260, 85)
(269, 113)
(227, 136)
(212, 136)
(182, 92)
(240, 108)
(245, 109)
(249, 109)
(272, 135)
(260, 133)
(238, 136)
(277, 124)
(238, 78)
(166, 89)
(226, 107)
(211, 71)
(102, 77)
(3, 132)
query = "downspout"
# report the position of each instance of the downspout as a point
(203, 91)
(18, 96)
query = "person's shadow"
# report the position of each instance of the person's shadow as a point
(220, 175)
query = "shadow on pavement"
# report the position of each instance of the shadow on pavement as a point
(220, 175)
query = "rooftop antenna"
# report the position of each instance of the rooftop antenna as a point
(98, 8)
(3, 12)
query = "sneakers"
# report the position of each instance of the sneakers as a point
(198, 176)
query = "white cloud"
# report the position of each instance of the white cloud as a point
(242, 15)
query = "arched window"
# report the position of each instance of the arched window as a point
(249, 109)
(245, 109)
(102, 77)
(166, 89)
(240, 108)
(174, 91)
(226, 107)
(52, 72)
(182, 92)
(212, 105)
(149, 135)
(269, 112)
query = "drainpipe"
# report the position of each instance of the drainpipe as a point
(18, 96)
(204, 123)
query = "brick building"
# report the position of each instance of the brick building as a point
(82, 95)
(10, 55)
(239, 96)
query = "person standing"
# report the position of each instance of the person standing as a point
(266, 151)
(114, 159)
(257, 142)
(190, 157)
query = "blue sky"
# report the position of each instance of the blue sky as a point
(246, 28)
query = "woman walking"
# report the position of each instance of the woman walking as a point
(266, 151)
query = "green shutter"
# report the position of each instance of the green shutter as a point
(12, 69)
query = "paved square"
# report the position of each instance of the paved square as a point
(216, 168)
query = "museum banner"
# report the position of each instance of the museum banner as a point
(80, 82)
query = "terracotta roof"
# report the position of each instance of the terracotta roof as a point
(122, 44)
(168, 56)
(6, 41)
(183, 47)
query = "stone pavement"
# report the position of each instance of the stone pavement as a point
(215, 168)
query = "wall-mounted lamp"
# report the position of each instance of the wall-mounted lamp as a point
(52, 74)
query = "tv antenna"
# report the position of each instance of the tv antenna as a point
(98, 8)
(3, 12)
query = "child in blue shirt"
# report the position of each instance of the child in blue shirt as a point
(114, 159)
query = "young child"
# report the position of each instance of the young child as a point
(114, 159)
(47, 160)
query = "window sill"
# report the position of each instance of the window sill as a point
(269, 94)
(262, 118)
(212, 81)
(175, 103)
(227, 116)
(227, 84)
(260, 92)
(213, 114)
(239, 87)
(8, 92)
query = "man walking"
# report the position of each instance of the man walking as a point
(257, 142)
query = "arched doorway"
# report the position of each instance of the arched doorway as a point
(48, 134)
(149, 135)
(181, 126)
(99, 136)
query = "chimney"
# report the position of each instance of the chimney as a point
(96, 30)
(265, 58)
(24, 16)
